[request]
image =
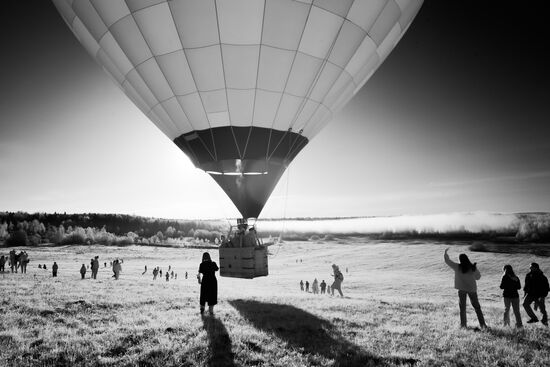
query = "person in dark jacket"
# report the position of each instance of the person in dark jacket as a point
(510, 284)
(536, 289)
(54, 269)
(208, 282)
(83, 271)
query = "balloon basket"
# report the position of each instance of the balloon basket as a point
(243, 262)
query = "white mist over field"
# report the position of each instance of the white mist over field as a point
(476, 222)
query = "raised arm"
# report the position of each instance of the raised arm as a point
(448, 261)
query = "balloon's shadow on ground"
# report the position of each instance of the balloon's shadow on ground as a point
(307, 332)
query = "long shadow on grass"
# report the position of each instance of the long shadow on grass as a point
(314, 335)
(219, 342)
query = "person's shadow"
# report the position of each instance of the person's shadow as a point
(219, 342)
(314, 335)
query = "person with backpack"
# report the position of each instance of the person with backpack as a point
(466, 275)
(338, 279)
(536, 289)
(510, 284)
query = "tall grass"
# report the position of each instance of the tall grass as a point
(399, 309)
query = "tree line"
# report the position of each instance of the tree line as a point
(21, 229)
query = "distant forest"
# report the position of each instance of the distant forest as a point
(24, 229)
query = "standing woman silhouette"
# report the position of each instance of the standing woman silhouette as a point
(208, 282)
(510, 284)
(466, 275)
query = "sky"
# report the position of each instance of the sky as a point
(455, 120)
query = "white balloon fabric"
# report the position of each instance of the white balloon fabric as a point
(241, 86)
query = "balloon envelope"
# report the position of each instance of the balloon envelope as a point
(241, 86)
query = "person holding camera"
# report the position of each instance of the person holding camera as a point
(466, 275)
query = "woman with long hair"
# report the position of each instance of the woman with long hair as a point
(466, 275)
(510, 284)
(208, 282)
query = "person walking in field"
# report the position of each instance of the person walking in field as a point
(167, 276)
(307, 286)
(302, 285)
(54, 269)
(23, 261)
(95, 267)
(536, 289)
(466, 275)
(315, 286)
(338, 279)
(323, 286)
(117, 268)
(83, 271)
(13, 261)
(510, 284)
(155, 273)
(208, 282)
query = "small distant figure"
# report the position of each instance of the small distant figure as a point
(536, 289)
(83, 271)
(2, 263)
(105, 264)
(323, 286)
(95, 266)
(39, 266)
(145, 271)
(12, 262)
(167, 276)
(23, 261)
(315, 286)
(172, 274)
(117, 268)
(185, 275)
(466, 275)
(510, 284)
(338, 279)
(208, 282)
(302, 285)
(44, 267)
(307, 286)
(160, 272)
(54, 269)
(155, 273)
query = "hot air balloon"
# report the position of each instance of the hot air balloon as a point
(240, 86)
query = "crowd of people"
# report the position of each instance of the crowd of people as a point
(321, 288)
(535, 291)
(466, 274)
(15, 261)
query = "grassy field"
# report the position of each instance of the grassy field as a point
(399, 309)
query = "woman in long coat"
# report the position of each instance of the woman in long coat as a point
(208, 282)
